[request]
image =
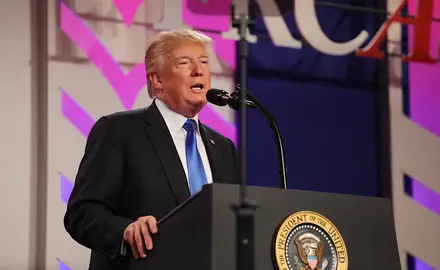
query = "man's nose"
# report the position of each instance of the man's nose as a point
(197, 70)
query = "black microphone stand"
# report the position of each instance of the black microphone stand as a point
(274, 126)
(245, 210)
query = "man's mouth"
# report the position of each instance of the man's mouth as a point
(197, 87)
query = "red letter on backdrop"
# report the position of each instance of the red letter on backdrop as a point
(422, 24)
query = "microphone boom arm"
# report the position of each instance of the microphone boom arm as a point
(278, 140)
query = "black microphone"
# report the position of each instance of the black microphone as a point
(222, 98)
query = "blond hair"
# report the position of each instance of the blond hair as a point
(163, 44)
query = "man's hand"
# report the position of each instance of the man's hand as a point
(138, 235)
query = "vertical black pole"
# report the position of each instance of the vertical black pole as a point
(245, 211)
(243, 52)
(383, 111)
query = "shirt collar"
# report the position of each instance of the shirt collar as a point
(173, 120)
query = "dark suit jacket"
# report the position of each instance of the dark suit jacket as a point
(130, 169)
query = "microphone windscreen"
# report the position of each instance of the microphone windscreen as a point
(217, 97)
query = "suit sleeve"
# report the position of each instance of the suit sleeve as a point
(90, 217)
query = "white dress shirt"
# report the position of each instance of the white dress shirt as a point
(175, 122)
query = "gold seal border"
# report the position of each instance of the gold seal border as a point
(302, 217)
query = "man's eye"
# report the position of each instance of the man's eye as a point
(183, 62)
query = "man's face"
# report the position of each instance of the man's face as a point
(184, 79)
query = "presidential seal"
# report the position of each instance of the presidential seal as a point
(307, 240)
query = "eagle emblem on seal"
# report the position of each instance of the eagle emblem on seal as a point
(310, 250)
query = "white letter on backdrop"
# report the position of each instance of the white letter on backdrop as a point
(308, 25)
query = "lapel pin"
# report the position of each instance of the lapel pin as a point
(211, 141)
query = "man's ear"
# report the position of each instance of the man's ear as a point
(155, 80)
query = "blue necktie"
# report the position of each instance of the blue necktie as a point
(196, 171)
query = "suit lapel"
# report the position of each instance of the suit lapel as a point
(214, 155)
(163, 144)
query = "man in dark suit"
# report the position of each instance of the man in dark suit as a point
(139, 165)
